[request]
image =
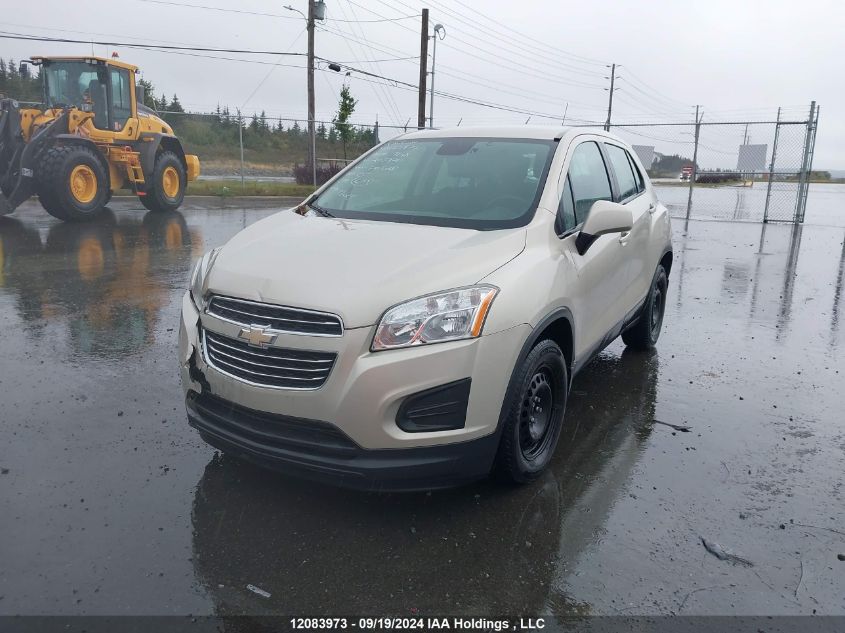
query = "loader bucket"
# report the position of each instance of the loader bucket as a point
(18, 159)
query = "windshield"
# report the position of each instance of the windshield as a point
(77, 84)
(479, 183)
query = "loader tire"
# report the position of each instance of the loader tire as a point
(72, 183)
(166, 188)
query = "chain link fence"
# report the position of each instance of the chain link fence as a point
(259, 147)
(756, 171)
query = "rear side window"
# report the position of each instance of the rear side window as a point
(622, 168)
(588, 179)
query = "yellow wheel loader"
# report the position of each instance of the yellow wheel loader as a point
(91, 136)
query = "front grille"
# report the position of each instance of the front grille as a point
(277, 367)
(269, 429)
(280, 318)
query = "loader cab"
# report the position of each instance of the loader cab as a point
(105, 88)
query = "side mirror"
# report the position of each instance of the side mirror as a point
(23, 69)
(140, 94)
(604, 217)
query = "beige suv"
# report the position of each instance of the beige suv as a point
(416, 323)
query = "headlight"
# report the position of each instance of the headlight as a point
(445, 316)
(198, 278)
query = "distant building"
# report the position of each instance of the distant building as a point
(752, 158)
(645, 153)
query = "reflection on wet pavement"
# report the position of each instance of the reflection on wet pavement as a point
(114, 505)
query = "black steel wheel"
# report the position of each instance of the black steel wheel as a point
(645, 332)
(533, 413)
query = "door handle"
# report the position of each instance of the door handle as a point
(652, 207)
(623, 238)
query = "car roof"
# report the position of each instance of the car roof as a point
(539, 132)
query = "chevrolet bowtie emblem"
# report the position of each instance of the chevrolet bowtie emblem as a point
(257, 336)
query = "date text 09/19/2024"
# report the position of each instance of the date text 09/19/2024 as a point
(419, 624)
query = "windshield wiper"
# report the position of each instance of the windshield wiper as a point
(320, 210)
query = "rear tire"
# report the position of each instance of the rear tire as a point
(533, 411)
(72, 183)
(644, 333)
(166, 189)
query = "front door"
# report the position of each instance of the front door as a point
(602, 271)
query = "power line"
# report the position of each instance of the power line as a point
(20, 36)
(261, 13)
(575, 57)
(503, 43)
(270, 72)
(500, 62)
(397, 115)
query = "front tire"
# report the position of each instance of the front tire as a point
(533, 410)
(166, 190)
(72, 183)
(644, 333)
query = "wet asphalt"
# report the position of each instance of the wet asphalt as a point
(111, 504)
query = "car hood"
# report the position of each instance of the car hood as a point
(354, 268)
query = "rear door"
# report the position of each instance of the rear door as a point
(602, 271)
(631, 191)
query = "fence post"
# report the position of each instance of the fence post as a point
(804, 175)
(694, 163)
(812, 147)
(771, 170)
(241, 141)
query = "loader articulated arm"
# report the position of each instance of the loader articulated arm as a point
(19, 158)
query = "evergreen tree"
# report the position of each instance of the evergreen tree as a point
(345, 108)
(149, 93)
(175, 106)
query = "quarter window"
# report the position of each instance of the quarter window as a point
(622, 168)
(637, 174)
(588, 179)
(566, 210)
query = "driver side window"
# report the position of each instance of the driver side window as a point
(586, 183)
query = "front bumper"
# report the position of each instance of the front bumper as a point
(323, 454)
(361, 399)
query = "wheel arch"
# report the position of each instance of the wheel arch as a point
(149, 146)
(558, 326)
(666, 261)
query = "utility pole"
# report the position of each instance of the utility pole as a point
(312, 136)
(438, 29)
(423, 69)
(610, 99)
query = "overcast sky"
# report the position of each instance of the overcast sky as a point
(738, 59)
